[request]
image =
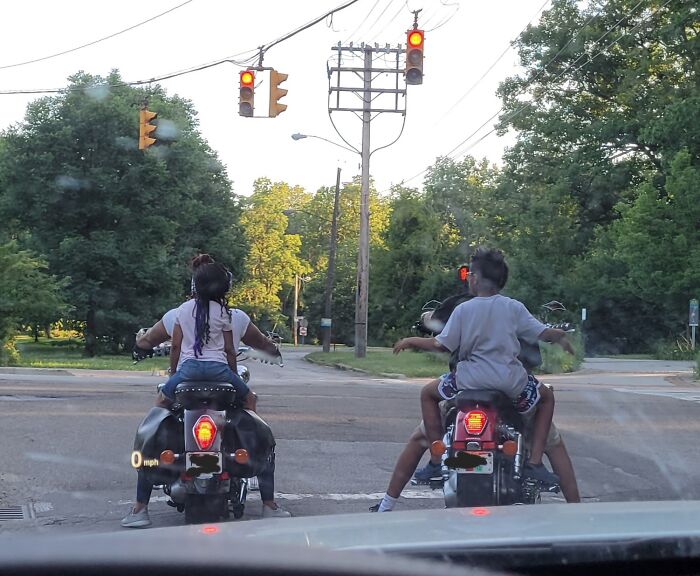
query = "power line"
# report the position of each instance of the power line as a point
(361, 24)
(230, 59)
(521, 108)
(50, 56)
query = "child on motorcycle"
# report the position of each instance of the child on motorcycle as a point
(485, 332)
(202, 340)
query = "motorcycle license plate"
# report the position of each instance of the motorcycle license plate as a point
(481, 469)
(201, 463)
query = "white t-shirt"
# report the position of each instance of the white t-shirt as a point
(239, 324)
(486, 332)
(219, 322)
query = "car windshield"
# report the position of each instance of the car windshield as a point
(300, 259)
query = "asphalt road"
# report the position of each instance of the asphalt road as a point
(631, 428)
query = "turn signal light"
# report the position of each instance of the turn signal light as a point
(204, 432)
(438, 448)
(240, 456)
(167, 457)
(475, 422)
(510, 447)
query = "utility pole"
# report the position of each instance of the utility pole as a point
(369, 95)
(327, 323)
(295, 321)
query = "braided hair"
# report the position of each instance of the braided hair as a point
(212, 281)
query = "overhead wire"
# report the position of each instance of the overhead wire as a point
(361, 24)
(93, 42)
(230, 59)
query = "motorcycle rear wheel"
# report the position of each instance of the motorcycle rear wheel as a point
(201, 508)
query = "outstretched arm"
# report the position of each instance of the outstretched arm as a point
(556, 336)
(418, 343)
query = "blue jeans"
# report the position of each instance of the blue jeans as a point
(205, 371)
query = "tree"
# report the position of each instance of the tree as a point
(121, 223)
(273, 259)
(28, 295)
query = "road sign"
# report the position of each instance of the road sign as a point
(693, 313)
(303, 322)
(302, 331)
(583, 314)
(326, 322)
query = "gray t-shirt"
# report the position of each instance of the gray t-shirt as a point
(486, 330)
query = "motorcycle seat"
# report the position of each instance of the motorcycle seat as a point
(197, 394)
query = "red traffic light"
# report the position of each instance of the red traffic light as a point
(463, 273)
(415, 38)
(414, 56)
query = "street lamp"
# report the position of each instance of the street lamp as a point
(330, 275)
(299, 136)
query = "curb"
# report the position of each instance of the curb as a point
(47, 371)
(339, 366)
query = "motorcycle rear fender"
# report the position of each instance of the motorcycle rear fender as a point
(490, 433)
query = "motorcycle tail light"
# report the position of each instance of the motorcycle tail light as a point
(204, 432)
(475, 422)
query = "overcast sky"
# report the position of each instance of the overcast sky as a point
(463, 38)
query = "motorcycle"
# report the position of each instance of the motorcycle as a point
(483, 449)
(203, 450)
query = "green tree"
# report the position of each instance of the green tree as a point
(273, 259)
(28, 294)
(119, 222)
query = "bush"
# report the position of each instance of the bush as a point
(697, 366)
(9, 356)
(556, 361)
(681, 349)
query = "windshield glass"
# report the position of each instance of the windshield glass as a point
(273, 259)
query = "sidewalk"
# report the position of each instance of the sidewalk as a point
(84, 372)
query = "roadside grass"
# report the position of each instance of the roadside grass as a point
(66, 353)
(383, 361)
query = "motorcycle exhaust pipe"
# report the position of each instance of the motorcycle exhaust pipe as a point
(518, 464)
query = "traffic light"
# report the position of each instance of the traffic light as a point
(414, 56)
(247, 93)
(463, 273)
(146, 128)
(276, 78)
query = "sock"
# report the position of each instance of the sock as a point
(387, 504)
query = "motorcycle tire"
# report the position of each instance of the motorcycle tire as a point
(238, 511)
(200, 508)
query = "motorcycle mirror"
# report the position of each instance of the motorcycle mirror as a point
(554, 306)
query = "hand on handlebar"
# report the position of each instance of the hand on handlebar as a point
(138, 353)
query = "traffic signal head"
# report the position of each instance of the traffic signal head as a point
(247, 93)
(414, 56)
(276, 78)
(463, 273)
(146, 128)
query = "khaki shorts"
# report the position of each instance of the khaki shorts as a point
(553, 438)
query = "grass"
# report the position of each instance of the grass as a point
(383, 361)
(64, 353)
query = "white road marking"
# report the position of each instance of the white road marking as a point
(407, 494)
(687, 395)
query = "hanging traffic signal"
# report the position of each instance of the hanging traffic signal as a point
(276, 78)
(247, 93)
(414, 56)
(146, 128)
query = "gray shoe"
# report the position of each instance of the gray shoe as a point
(253, 484)
(278, 512)
(136, 519)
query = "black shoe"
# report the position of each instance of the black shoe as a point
(540, 473)
(375, 508)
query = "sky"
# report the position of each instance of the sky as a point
(462, 40)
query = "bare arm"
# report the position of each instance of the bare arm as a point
(175, 348)
(155, 335)
(418, 343)
(256, 339)
(556, 336)
(230, 351)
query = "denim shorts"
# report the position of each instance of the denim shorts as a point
(206, 371)
(528, 399)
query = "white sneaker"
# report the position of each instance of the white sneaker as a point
(253, 484)
(277, 512)
(136, 519)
